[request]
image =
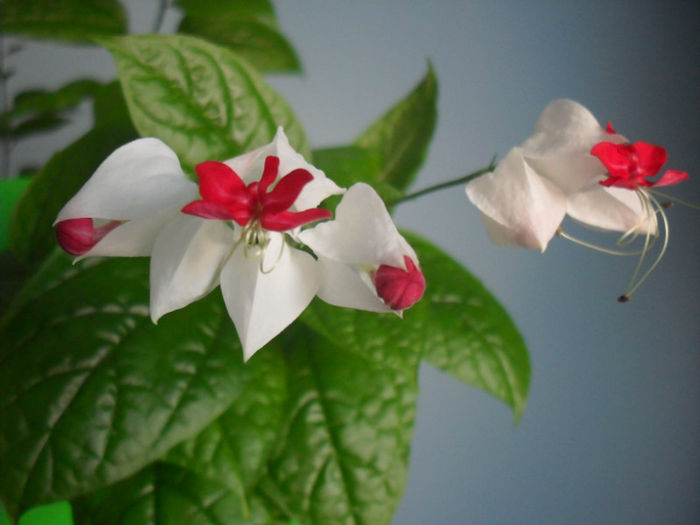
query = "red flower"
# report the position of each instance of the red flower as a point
(631, 165)
(226, 197)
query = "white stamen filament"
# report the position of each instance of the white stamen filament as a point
(650, 208)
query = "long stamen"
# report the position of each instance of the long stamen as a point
(274, 265)
(561, 233)
(673, 198)
(654, 207)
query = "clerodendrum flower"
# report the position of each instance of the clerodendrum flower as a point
(573, 166)
(242, 234)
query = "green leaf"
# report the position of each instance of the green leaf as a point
(31, 228)
(348, 430)
(200, 99)
(402, 135)
(458, 326)
(234, 448)
(41, 101)
(248, 27)
(164, 494)
(74, 20)
(91, 390)
(347, 165)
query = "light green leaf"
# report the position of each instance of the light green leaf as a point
(458, 326)
(402, 135)
(246, 26)
(31, 231)
(200, 99)
(91, 390)
(164, 494)
(74, 20)
(348, 430)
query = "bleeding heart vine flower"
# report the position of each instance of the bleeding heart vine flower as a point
(243, 234)
(573, 166)
(366, 262)
(525, 199)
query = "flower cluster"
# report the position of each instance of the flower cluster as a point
(573, 166)
(241, 229)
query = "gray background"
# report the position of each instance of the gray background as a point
(610, 435)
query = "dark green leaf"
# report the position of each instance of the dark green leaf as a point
(74, 20)
(458, 326)
(199, 98)
(41, 101)
(91, 390)
(234, 448)
(164, 494)
(403, 134)
(31, 228)
(349, 423)
(248, 27)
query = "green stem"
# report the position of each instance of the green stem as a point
(454, 182)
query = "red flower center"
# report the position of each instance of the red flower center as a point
(399, 288)
(226, 197)
(631, 165)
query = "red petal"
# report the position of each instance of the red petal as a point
(213, 210)
(399, 288)
(219, 183)
(272, 165)
(671, 177)
(78, 236)
(609, 128)
(286, 191)
(286, 220)
(615, 157)
(650, 157)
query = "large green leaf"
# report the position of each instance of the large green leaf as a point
(75, 20)
(200, 99)
(164, 494)
(402, 135)
(348, 427)
(234, 448)
(458, 326)
(92, 391)
(31, 231)
(246, 26)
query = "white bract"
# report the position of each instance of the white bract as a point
(237, 235)
(552, 174)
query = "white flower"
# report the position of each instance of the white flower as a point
(367, 264)
(139, 191)
(552, 174)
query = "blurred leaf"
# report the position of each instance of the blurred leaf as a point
(246, 26)
(458, 326)
(164, 494)
(199, 98)
(31, 228)
(74, 20)
(41, 101)
(40, 123)
(402, 135)
(91, 391)
(348, 431)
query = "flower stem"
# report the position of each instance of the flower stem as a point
(448, 184)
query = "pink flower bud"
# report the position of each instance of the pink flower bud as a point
(398, 288)
(78, 236)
